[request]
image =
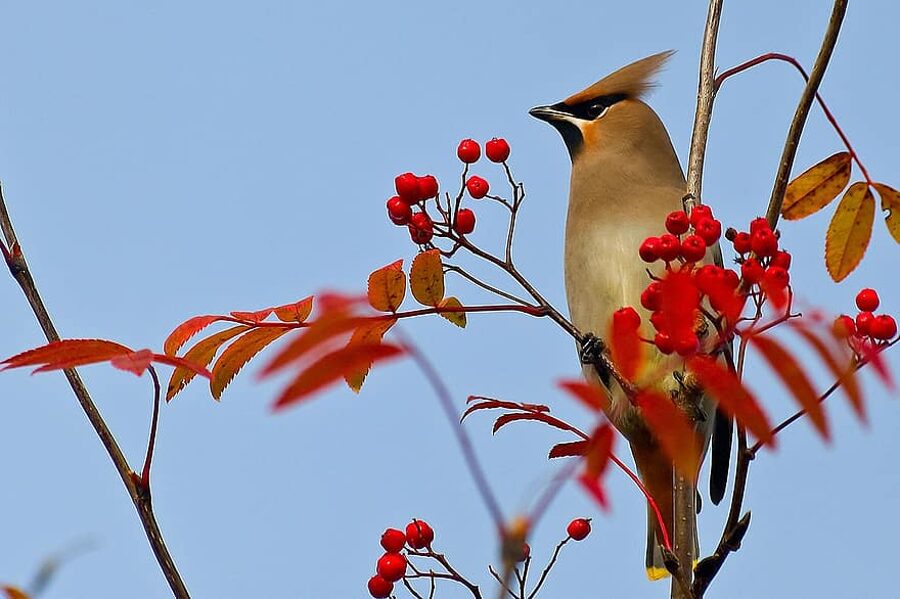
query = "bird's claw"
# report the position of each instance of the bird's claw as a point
(591, 348)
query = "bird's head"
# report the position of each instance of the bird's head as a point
(609, 115)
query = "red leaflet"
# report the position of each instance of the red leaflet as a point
(565, 450)
(680, 301)
(872, 354)
(331, 367)
(542, 417)
(68, 353)
(794, 378)
(732, 396)
(487, 403)
(254, 317)
(626, 347)
(296, 312)
(371, 332)
(590, 395)
(177, 362)
(135, 362)
(239, 353)
(201, 354)
(387, 287)
(671, 427)
(322, 330)
(186, 330)
(597, 459)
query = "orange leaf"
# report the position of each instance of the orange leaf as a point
(202, 354)
(239, 353)
(849, 232)
(426, 278)
(254, 317)
(890, 203)
(177, 362)
(457, 318)
(387, 287)
(565, 450)
(599, 450)
(794, 378)
(331, 367)
(671, 427)
(135, 362)
(680, 301)
(321, 331)
(816, 187)
(67, 353)
(14, 593)
(185, 331)
(731, 395)
(369, 333)
(591, 395)
(626, 348)
(296, 312)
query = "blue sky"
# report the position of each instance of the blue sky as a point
(173, 159)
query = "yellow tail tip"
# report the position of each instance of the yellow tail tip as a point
(654, 573)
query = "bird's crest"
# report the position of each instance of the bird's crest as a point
(632, 81)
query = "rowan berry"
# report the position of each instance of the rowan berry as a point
(579, 529)
(497, 150)
(468, 151)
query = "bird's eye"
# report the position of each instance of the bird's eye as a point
(597, 109)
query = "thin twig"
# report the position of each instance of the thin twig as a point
(549, 567)
(486, 286)
(502, 584)
(154, 421)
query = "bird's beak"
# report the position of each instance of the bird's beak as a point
(548, 113)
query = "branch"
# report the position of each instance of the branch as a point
(139, 494)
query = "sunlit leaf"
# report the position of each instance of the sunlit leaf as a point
(177, 362)
(794, 378)
(426, 278)
(185, 331)
(591, 395)
(369, 333)
(457, 318)
(296, 312)
(817, 187)
(890, 203)
(730, 394)
(202, 354)
(135, 362)
(254, 317)
(566, 450)
(68, 353)
(849, 232)
(239, 353)
(387, 287)
(672, 429)
(324, 330)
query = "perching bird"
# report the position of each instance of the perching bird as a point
(625, 180)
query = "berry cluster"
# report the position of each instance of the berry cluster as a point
(677, 245)
(408, 207)
(391, 566)
(867, 325)
(762, 263)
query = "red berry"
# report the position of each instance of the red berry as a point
(708, 277)
(731, 278)
(421, 229)
(864, 322)
(497, 150)
(407, 186)
(627, 318)
(664, 343)
(763, 242)
(867, 300)
(651, 298)
(709, 229)
(752, 271)
(843, 327)
(656, 319)
(742, 243)
(428, 187)
(468, 151)
(686, 344)
(478, 187)
(677, 222)
(700, 212)
(883, 327)
(379, 587)
(398, 211)
(393, 540)
(758, 224)
(776, 278)
(579, 529)
(391, 566)
(782, 259)
(419, 534)
(465, 221)
(526, 548)
(693, 248)
(669, 247)
(649, 249)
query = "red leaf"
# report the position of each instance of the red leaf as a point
(371, 332)
(565, 450)
(486, 403)
(387, 287)
(672, 429)
(507, 418)
(185, 331)
(680, 301)
(296, 312)
(322, 330)
(239, 353)
(331, 367)
(254, 317)
(201, 354)
(135, 362)
(68, 353)
(590, 395)
(626, 348)
(872, 355)
(723, 386)
(599, 451)
(794, 378)
(177, 362)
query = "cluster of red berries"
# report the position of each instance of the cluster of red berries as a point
(867, 324)
(676, 245)
(768, 266)
(414, 191)
(391, 566)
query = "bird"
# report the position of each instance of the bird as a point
(625, 180)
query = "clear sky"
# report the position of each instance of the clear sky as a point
(167, 159)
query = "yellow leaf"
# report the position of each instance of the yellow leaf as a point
(369, 333)
(201, 354)
(239, 353)
(426, 278)
(296, 312)
(817, 187)
(457, 318)
(387, 287)
(890, 203)
(849, 232)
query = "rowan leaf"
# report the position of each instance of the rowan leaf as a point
(369, 333)
(597, 457)
(457, 318)
(487, 403)
(849, 232)
(387, 287)
(672, 429)
(136, 362)
(177, 362)
(202, 354)
(566, 450)
(67, 353)
(320, 333)
(626, 348)
(730, 394)
(591, 395)
(890, 203)
(426, 278)
(14, 592)
(186, 330)
(539, 416)
(296, 312)
(794, 378)
(254, 317)
(331, 367)
(816, 187)
(680, 302)
(239, 353)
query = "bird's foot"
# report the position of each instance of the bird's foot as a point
(591, 348)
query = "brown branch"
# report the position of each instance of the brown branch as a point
(549, 567)
(140, 495)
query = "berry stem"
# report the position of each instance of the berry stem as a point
(154, 421)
